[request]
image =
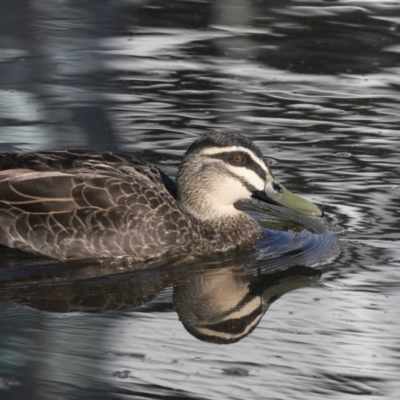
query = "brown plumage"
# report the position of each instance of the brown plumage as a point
(78, 204)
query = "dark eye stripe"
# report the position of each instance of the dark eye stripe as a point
(249, 187)
(236, 325)
(249, 163)
(247, 298)
(231, 329)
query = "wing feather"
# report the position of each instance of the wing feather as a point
(73, 204)
(62, 182)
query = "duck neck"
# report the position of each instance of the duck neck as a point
(203, 197)
(232, 232)
(210, 204)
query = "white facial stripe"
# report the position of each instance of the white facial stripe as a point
(223, 195)
(221, 150)
(227, 335)
(249, 175)
(247, 309)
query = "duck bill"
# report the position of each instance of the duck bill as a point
(275, 193)
(304, 277)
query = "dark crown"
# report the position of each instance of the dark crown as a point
(223, 139)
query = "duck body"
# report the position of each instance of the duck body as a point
(85, 204)
(79, 204)
(72, 204)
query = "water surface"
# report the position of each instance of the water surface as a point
(315, 85)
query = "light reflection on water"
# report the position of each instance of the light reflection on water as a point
(315, 85)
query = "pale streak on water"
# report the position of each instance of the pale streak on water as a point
(315, 85)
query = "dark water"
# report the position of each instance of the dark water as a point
(316, 85)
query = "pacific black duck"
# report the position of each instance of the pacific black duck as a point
(80, 204)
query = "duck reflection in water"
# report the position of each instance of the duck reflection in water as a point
(217, 301)
(226, 306)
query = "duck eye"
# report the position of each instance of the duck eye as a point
(238, 159)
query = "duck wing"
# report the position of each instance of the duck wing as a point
(81, 204)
